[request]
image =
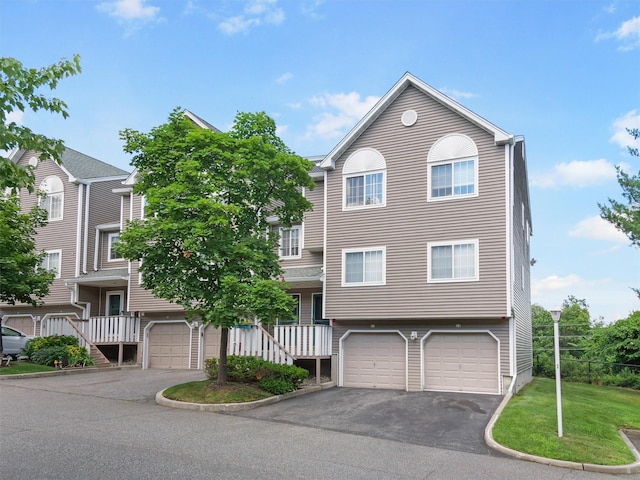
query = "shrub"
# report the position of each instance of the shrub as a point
(276, 386)
(256, 370)
(49, 355)
(38, 343)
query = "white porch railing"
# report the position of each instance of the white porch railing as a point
(62, 326)
(255, 341)
(305, 340)
(118, 329)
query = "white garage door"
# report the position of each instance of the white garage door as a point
(169, 345)
(24, 324)
(461, 362)
(374, 360)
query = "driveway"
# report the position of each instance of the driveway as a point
(454, 421)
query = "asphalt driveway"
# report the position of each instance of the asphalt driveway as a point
(453, 421)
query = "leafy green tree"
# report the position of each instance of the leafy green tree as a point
(575, 325)
(206, 241)
(625, 216)
(616, 343)
(20, 280)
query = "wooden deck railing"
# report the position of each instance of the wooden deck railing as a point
(255, 341)
(305, 340)
(117, 329)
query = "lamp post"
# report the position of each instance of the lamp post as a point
(555, 315)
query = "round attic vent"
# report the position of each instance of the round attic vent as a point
(409, 118)
(33, 161)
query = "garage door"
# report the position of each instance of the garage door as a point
(169, 345)
(24, 324)
(374, 360)
(461, 362)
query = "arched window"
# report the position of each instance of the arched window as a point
(53, 202)
(364, 177)
(453, 168)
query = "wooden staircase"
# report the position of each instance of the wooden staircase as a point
(99, 360)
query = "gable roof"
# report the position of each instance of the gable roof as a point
(83, 166)
(199, 121)
(500, 136)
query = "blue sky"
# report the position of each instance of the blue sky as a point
(565, 74)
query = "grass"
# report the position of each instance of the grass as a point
(207, 392)
(592, 416)
(24, 367)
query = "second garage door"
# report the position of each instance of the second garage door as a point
(461, 362)
(374, 360)
(169, 345)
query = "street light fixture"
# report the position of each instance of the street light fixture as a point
(555, 315)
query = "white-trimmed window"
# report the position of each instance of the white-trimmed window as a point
(453, 261)
(113, 239)
(295, 314)
(453, 168)
(53, 201)
(51, 261)
(364, 177)
(291, 242)
(364, 266)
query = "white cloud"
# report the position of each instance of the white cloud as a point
(628, 34)
(621, 136)
(596, 228)
(577, 173)
(255, 13)
(284, 78)
(16, 116)
(457, 94)
(128, 10)
(347, 109)
(554, 283)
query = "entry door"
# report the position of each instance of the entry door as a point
(114, 304)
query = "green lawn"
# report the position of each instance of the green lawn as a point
(206, 391)
(24, 367)
(591, 415)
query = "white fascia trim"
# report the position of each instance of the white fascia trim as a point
(324, 246)
(102, 179)
(499, 135)
(85, 250)
(79, 230)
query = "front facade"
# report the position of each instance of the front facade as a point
(411, 272)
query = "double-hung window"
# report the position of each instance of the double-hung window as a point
(364, 266)
(453, 261)
(51, 261)
(364, 180)
(453, 168)
(291, 242)
(114, 238)
(53, 199)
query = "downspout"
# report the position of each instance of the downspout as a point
(513, 366)
(324, 249)
(79, 229)
(86, 229)
(74, 299)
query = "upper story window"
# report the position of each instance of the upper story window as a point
(452, 261)
(364, 266)
(51, 261)
(53, 202)
(453, 168)
(291, 242)
(113, 240)
(364, 180)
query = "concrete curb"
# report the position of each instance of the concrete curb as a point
(238, 407)
(65, 371)
(612, 469)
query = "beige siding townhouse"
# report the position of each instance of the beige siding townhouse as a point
(426, 256)
(83, 225)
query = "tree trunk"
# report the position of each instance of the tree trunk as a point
(224, 342)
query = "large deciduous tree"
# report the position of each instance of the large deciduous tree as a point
(20, 90)
(625, 216)
(206, 242)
